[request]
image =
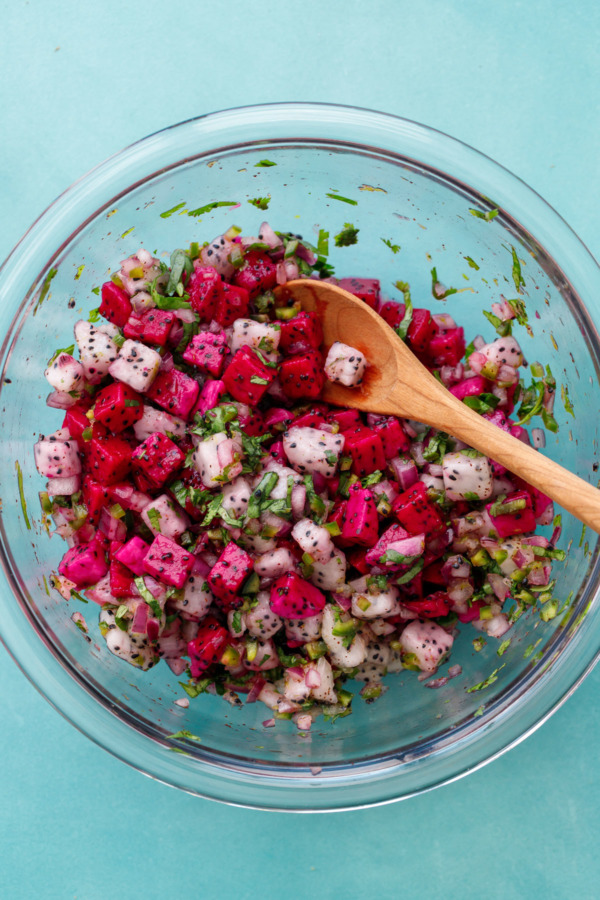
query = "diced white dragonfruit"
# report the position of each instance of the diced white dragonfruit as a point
(345, 364)
(304, 630)
(295, 686)
(63, 487)
(109, 328)
(314, 540)
(261, 336)
(375, 606)
(504, 351)
(275, 563)
(427, 642)
(65, 373)
(467, 477)
(136, 365)
(153, 420)
(264, 658)
(162, 516)
(261, 621)
(324, 690)
(235, 496)
(256, 544)
(216, 254)
(280, 490)
(96, 351)
(344, 657)
(218, 459)
(54, 459)
(313, 450)
(138, 271)
(376, 662)
(194, 601)
(330, 575)
(121, 644)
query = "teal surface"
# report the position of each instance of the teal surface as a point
(519, 81)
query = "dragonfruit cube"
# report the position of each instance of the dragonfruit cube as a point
(116, 305)
(257, 274)
(118, 407)
(392, 312)
(360, 525)
(218, 459)
(467, 477)
(54, 459)
(136, 365)
(152, 326)
(519, 517)
(294, 598)
(246, 377)
(153, 420)
(421, 330)
(83, 564)
(301, 333)
(302, 376)
(207, 351)
(168, 562)
(65, 373)
(427, 642)
(162, 516)
(345, 419)
(447, 348)
(96, 350)
(132, 555)
(311, 450)
(158, 458)
(228, 574)
(63, 487)
(120, 580)
(366, 449)
(366, 289)
(175, 391)
(345, 364)
(208, 646)
(210, 396)
(232, 305)
(416, 512)
(262, 336)
(205, 288)
(470, 387)
(95, 497)
(393, 437)
(109, 459)
(392, 538)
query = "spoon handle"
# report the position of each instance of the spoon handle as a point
(574, 494)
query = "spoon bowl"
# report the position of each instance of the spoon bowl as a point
(397, 383)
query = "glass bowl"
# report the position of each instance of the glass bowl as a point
(398, 182)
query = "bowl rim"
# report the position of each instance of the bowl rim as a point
(390, 782)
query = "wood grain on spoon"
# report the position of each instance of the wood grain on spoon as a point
(396, 383)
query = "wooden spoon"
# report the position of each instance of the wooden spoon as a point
(396, 383)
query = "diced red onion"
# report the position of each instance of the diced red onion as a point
(114, 529)
(167, 362)
(281, 273)
(437, 683)
(499, 586)
(538, 438)
(267, 236)
(177, 666)
(434, 469)
(184, 702)
(343, 601)
(307, 255)
(416, 451)
(453, 671)
(455, 567)
(312, 679)
(540, 576)
(140, 618)
(404, 471)
(255, 690)
(291, 269)
(303, 721)
(536, 540)
(298, 500)
(61, 400)
(268, 723)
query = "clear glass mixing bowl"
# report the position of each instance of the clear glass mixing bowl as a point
(414, 187)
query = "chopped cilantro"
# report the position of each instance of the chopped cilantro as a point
(260, 202)
(393, 247)
(56, 353)
(402, 329)
(437, 294)
(45, 288)
(488, 216)
(185, 735)
(347, 236)
(483, 403)
(264, 163)
(210, 206)
(120, 615)
(414, 570)
(22, 494)
(180, 263)
(488, 681)
(516, 271)
(471, 262)
(94, 315)
(96, 291)
(564, 393)
(503, 647)
(147, 596)
(155, 517)
(342, 199)
(256, 379)
(502, 328)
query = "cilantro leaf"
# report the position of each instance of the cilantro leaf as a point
(264, 163)
(347, 236)
(393, 247)
(174, 209)
(342, 199)
(437, 294)
(488, 216)
(210, 206)
(516, 271)
(260, 202)
(402, 328)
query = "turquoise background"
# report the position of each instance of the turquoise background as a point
(517, 80)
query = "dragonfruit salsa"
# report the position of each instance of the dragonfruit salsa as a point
(259, 541)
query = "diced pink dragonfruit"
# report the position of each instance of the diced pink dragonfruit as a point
(168, 562)
(294, 598)
(361, 523)
(210, 396)
(84, 565)
(519, 520)
(132, 555)
(174, 391)
(207, 351)
(227, 576)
